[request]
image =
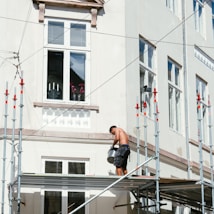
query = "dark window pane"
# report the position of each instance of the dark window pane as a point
(77, 76)
(55, 33)
(75, 199)
(142, 50)
(150, 56)
(53, 167)
(169, 71)
(55, 75)
(53, 204)
(177, 76)
(76, 168)
(78, 35)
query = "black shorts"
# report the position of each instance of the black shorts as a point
(121, 156)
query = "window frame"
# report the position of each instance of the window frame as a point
(66, 48)
(64, 192)
(175, 109)
(148, 66)
(204, 106)
(199, 19)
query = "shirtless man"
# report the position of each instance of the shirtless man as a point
(122, 153)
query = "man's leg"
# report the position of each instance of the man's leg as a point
(125, 171)
(119, 171)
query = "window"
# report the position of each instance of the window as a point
(60, 200)
(198, 13)
(53, 202)
(147, 74)
(64, 167)
(201, 90)
(213, 16)
(174, 94)
(67, 51)
(171, 4)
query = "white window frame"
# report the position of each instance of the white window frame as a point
(148, 67)
(64, 192)
(212, 5)
(65, 162)
(174, 108)
(172, 5)
(199, 19)
(66, 49)
(202, 89)
(64, 199)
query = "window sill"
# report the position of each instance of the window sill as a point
(67, 106)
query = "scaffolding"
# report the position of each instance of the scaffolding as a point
(195, 194)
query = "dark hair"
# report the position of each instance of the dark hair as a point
(110, 129)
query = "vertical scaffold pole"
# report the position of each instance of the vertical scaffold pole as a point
(157, 153)
(145, 134)
(4, 148)
(200, 141)
(138, 134)
(12, 162)
(20, 145)
(211, 152)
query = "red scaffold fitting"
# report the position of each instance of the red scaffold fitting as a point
(6, 92)
(22, 82)
(155, 93)
(137, 106)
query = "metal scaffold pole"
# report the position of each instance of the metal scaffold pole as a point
(200, 141)
(145, 135)
(4, 148)
(157, 152)
(111, 185)
(211, 153)
(138, 135)
(20, 146)
(12, 161)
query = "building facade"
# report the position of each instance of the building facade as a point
(77, 67)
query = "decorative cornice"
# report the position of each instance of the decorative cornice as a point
(93, 6)
(71, 3)
(67, 106)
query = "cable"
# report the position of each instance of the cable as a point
(106, 81)
(28, 15)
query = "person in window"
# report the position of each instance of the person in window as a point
(122, 153)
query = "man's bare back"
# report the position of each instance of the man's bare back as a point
(120, 136)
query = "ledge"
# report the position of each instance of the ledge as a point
(72, 3)
(92, 5)
(66, 106)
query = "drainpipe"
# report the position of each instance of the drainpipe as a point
(186, 105)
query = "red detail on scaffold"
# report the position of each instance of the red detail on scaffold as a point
(22, 82)
(6, 102)
(155, 93)
(144, 104)
(137, 106)
(209, 104)
(198, 97)
(14, 97)
(6, 92)
(14, 107)
(21, 91)
(198, 100)
(157, 110)
(137, 115)
(144, 113)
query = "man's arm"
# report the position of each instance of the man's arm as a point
(117, 137)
